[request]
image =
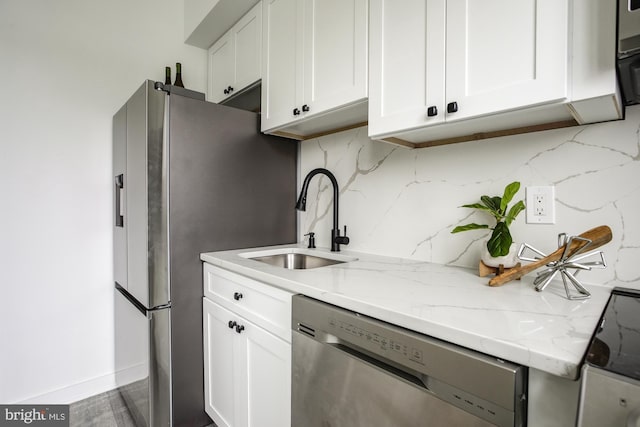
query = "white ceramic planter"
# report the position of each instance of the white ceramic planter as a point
(508, 261)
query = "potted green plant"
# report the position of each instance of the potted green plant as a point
(500, 241)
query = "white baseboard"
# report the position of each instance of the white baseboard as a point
(75, 392)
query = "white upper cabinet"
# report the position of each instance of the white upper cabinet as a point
(334, 53)
(504, 54)
(235, 60)
(404, 85)
(221, 69)
(281, 81)
(315, 63)
(452, 70)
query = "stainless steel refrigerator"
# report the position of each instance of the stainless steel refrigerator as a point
(189, 177)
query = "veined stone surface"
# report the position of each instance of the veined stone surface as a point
(404, 203)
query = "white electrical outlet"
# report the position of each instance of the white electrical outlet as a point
(541, 205)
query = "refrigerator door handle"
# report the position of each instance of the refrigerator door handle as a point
(141, 308)
(119, 187)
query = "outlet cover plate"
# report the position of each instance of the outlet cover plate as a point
(541, 205)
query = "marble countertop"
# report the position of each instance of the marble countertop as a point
(542, 330)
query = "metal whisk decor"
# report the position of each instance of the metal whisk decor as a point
(576, 261)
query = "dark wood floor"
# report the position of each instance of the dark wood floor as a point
(104, 410)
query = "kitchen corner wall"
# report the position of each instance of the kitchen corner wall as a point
(67, 67)
(404, 203)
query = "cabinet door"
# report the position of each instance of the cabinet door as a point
(406, 64)
(504, 54)
(247, 372)
(247, 36)
(282, 62)
(335, 53)
(221, 68)
(221, 391)
(268, 368)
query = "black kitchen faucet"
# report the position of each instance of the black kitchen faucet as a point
(336, 238)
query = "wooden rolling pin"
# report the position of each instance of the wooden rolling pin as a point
(599, 236)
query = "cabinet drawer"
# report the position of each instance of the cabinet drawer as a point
(263, 304)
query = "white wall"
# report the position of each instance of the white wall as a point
(401, 202)
(66, 67)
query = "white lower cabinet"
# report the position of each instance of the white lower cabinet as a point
(247, 369)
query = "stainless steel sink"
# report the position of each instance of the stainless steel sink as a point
(296, 259)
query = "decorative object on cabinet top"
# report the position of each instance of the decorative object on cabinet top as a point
(178, 81)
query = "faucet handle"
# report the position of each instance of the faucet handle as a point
(312, 240)
(342, 240)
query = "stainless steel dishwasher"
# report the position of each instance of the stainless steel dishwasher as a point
(350, 370)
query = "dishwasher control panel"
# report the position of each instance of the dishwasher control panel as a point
(381, 342)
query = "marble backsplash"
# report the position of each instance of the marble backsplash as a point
(404, 203)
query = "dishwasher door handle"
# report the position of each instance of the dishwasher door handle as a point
(408, 377)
